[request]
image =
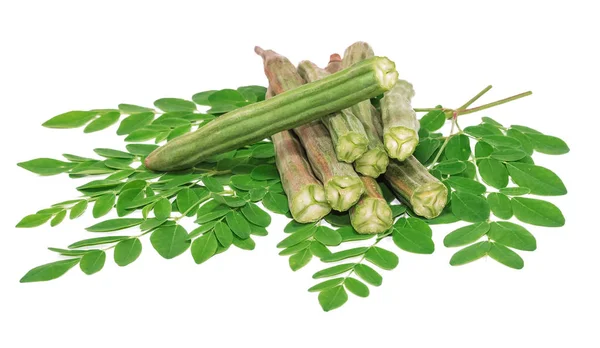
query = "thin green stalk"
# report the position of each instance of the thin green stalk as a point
(487, 106)
(474, 99)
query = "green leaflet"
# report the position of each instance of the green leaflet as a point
(104, 121)
(46, 166)
(135, 122)
(466, 185)
(34, 220)
(470, 253)
(548, 144)
(49, 271)
(256, 215)
(97, 241)
(175, 104)
(344, 254)
(382, 258)
(433, 120)
(110, 153)
(223, 234)
(368, 274)
(505, 256)
(127, 251)
(114, 225)
(300, 259)
(71, 119)
(451, 167)
(356, 287)
(493, 172)
(333, 298)
(132, 109)
(298, 236)
(537, 212)
(328, 236)
(426, 149)
(500, 205)
(539, 180)
(326, 284)
(412, 241)
(458, 148)
(334, 270)
(170, 241)
(92, 262)
(512, 235)
(466, 235)
(276, 202)
(470, 207)
(78, 209)
(238, 224)
(103, 205)
(204, 247)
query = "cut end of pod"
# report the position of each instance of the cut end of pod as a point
(343, 192)
(371, 215)
(372, 163)
(310, 204)
(400, 142)
(429, 200)
(386, 72)
(351, 146)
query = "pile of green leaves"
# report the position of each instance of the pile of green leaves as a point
(225, 197)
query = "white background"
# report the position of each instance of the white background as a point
(59, 56)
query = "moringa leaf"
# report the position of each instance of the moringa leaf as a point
(515, 191)
(412, 241)
(356, 287)
(127, 251)
(46, 166)
(92, 262)
(104, 121)
(49, 271)
(170, 241)
(512, 235)
(470, 253)
(368, 274)
(71, 119)
(537, 212)
(97, 241)
(326, 285)
(328, 236)
(333, 298)
(78, 209)
(334, 270)
(135, 122)
(539, 180)
(114, 225)
(298, 236)
(223, 234)
(300, 259)
(433, 120)
(255, 215)
(276, 202)
(466, 235)
(470, 207)
(344, 254)
(466, 185)
(204, 247)
(382, 258)
(548, 144)
(505, 256)
(493, 172)
(458, 148)
(500, 205)
(34, 220)
(175, 104)
(238, 224)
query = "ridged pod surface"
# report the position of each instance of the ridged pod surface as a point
(375, 160)
(306, 195)
(412, 183)
(254, 122)
(343, 187)
(371, 214)
(347, 132)
(400, 124)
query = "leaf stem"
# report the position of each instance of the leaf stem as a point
(489, 105)
(439, 154)
(474, 99)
